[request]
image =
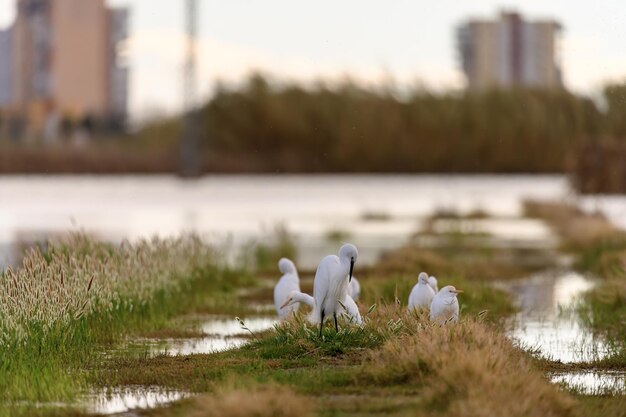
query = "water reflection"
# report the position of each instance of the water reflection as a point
(592, 382)
(241, 208)
(120, 400)
(231, 327)
(502, 228)
(547, 320)
(221, 333)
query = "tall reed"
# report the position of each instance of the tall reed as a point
(59, 304)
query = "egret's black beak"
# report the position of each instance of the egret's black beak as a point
(351, 268)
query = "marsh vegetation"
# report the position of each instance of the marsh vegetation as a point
(88, 298)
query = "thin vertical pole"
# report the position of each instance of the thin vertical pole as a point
(191, 161)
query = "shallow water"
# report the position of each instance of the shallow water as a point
(547, 321)
(120, 400)
(592, 382)
(221, 333)
(379, 212)
(503, 229)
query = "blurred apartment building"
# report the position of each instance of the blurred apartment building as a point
(62, 63)
(510, 51)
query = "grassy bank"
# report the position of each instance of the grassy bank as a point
(62, 307)
(397, 364)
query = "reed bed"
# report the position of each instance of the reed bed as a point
(79, 276)
(60, 304)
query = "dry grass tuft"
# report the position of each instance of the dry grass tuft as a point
(79, 276)
(466, 370)
(575, 227)
(409, 259)
(262, 401)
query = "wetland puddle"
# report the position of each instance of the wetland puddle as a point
(121, 400)
(220, 333)
(548, 323)
(547, 320)
(592, 382)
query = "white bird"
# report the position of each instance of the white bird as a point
(445, 306)
(354, 289)
(297, 297)
(432, 281)
(287, 283)
(330, 286)
(351, 311)
(422, 294)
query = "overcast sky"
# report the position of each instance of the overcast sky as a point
(408, 40)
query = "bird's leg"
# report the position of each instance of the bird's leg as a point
(336, 327)
(321, 324)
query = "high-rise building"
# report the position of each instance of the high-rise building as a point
(509, 52)
(65, 60)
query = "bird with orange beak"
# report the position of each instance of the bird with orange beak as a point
(445, 307)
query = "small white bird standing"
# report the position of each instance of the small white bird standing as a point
(422, 294)
(354, 289)
(445, 306)
(432, 281)
(288, 282)
(351, 310)
(330, 286)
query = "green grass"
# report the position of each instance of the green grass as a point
(48, 367)
(603, 310)
(396, 364)
(51, 361)
(393, 365)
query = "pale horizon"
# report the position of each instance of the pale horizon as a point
(369, 41)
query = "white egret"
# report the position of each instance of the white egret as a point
(287, 283)
(351, 310)
(445, 306)
(422, 294)
(330, 286)
(432, 281)
(297, 297)
(354, 289)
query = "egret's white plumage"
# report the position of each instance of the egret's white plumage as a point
(351, 310)
(422, 294)
(331, 282)
(287, 283)
(445, 306)
(297, 297)
(354, 289)
(432, 281)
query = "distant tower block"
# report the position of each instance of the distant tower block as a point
(509, 52)
(191, 160)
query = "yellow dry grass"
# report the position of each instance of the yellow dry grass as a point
(574, 226)
(466, 370)
(79, 276)
(262, 401)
